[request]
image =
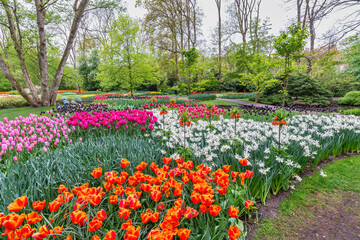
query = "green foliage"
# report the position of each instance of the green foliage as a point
(203, 97)
(301, 88)
(355, 111)
(289, 44)
(126, 62)
(13, 102)
(352, 54)
(88, 69)
(306, 89)
(351, 98)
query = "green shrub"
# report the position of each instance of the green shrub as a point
(14, 92)
(301, 88)
(351, 98)
(203, 97)
(355, 111)
(10, 102)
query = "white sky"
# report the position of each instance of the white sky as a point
(277, 11)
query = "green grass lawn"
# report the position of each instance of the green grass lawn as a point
(12, 113)
(218, 102)
(319, 203)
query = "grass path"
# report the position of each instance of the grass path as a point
(320, 207)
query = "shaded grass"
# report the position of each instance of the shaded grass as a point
(218, 102)
(12, 113)
(343, 177)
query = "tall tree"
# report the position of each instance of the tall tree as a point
(218, 5)
(125, 62)
(289, 44)
(242, 13)
(19, 19)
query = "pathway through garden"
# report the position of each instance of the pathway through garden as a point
(321, 207)
(247, 103)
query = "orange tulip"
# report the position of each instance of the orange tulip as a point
(38, 205)
(78, 217)
(13, 221)
(233, 212)
(68, 238)
(95, 237)
(183, 233)
(127, 224)
(243, 162)
(113, 199)
(132, 233)
(166, 161)
(57, 231)
(248, 204)
(226, 168)
(18, 204)
(141, 166)
(160, 207)
(124, 163)
(25, 232)
(94, 225)
(33, 218)
(155, 195)
(234, 232)
(43, 233)
(96, 173)
(124, 213)
(110, 235)
(214, 210)
(54, 205)
(203, 208)
(101, 215)
(222, 191)
(62, 189)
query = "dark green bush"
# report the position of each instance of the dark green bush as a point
(203, 97)
(351, 98)
(301, 88)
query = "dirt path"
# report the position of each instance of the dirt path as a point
(324, 214)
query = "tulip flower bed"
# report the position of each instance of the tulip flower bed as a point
(24, 135)
(169, 201)
(113, 119)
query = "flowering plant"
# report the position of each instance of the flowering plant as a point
(163, 204)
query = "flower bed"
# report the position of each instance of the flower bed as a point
(115, 119)
(307, 139)
(154, 202)
(25, 135)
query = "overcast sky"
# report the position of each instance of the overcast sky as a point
(277, 11)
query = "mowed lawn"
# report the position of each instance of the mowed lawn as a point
(13, 113)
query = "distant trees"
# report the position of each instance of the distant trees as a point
(88, 69)
(125, 60)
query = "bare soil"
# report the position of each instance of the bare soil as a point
(334, 219)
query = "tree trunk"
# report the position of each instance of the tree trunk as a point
(79, 11)
(40, 17)
(218, 3)
(19, 50)
(17, 86)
